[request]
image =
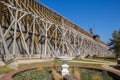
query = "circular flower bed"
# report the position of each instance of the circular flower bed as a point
(54, 73)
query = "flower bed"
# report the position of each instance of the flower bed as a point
(53, 73)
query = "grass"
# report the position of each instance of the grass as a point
(37, 64)
(5, 69)
(110, 57)
(84, 64)
(79, 59)
(40, 64)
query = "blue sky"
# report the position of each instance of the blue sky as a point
(103, 15)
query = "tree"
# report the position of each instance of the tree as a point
(115, 43)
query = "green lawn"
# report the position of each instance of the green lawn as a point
(111, 58)
(5, 69)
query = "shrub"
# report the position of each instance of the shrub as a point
(96, 77)
(76, 74)
(40, 69)
(56, 75)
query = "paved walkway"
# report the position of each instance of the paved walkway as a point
(27, 61)
(33, 61)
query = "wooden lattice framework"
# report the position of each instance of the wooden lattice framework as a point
(30, 30)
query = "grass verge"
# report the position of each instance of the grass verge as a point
(5, 69)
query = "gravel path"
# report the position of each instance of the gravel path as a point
(27, 61)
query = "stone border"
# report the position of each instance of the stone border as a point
(9, 75)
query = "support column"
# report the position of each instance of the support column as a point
(15, 29)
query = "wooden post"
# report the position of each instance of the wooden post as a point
(15, 29)
(5, 45)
